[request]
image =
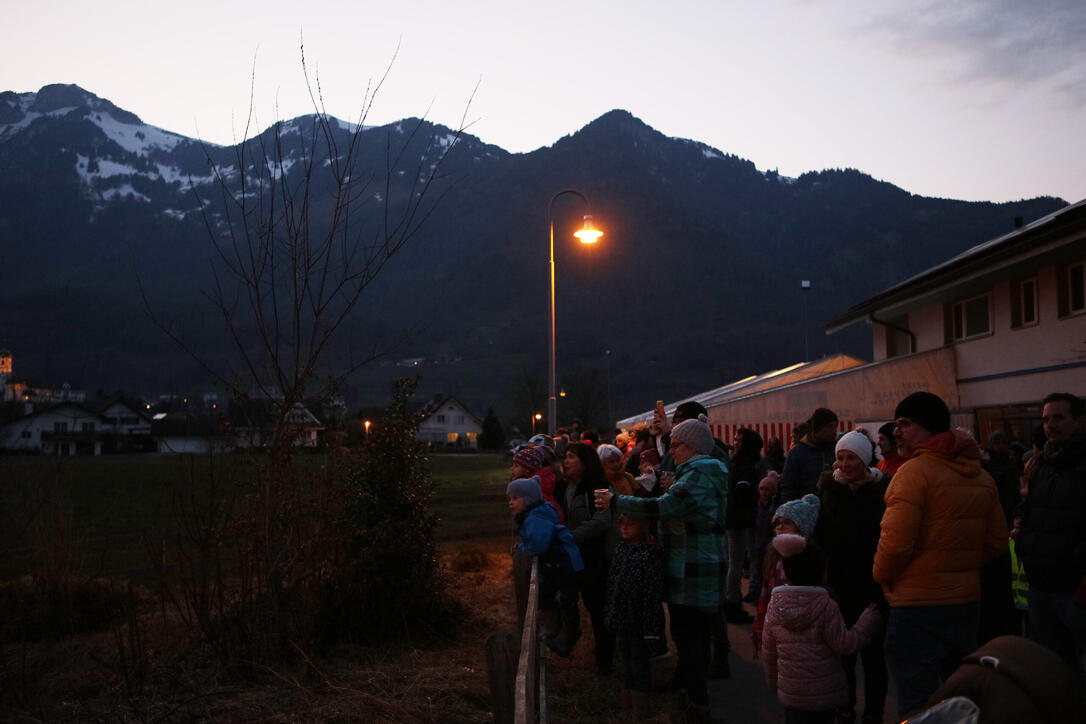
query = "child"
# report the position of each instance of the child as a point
(763, 534)
(795, 516)
(635, 592)
(531, 461)
(805, 636)
(559, 558)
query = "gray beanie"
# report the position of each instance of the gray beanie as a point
(696, 434)
(802, 512)
(527, 488)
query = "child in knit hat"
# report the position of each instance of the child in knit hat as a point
(805, 636)
(531, 461)
(795, 517)
(542, 536)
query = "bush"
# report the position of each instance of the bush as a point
(390, 584)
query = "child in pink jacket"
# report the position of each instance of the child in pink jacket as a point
(805, 636)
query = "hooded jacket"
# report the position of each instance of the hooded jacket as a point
(541, 535)
(802, 643)
(943, 521)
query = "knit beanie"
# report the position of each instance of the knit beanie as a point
(529, 457)
(802, 512)
(857, 443)
(925, 409)
(696, 434)
(527, 488)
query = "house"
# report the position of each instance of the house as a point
(1010, 315)
(446, 421)
(62, 429)
(991, 331)
(187, 432)
(253, 422)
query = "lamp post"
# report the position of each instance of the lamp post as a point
(536, 418)
(805, 286)
(587, 235)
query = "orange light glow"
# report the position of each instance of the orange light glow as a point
(589, 234)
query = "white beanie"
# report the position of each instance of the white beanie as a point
(858, 443)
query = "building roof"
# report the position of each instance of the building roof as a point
(756, 384)
(1045, 237)
(438, 401)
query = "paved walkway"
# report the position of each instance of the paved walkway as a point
(744, 698)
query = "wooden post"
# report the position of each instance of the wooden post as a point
(502, 650)
(528, 669)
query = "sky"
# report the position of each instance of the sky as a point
(966, 99)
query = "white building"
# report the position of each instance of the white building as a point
(445, 421)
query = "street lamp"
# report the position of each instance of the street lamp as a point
(587, 235)
(536, 418)
(805, 286)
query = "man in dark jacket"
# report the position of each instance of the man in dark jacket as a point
(747, 468)
(1052, 540)
(811, 455)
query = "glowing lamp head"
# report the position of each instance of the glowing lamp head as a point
(589, 234)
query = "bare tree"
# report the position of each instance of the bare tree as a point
(304, 218)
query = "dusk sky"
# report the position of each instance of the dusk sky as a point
(967, 99)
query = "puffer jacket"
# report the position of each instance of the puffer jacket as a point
(1052, 542)
(803, 640)
(943, 521)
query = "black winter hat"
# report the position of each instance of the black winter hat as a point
(925, 409)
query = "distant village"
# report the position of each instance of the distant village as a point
(61, 420)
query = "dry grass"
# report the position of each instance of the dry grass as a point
(82, 679)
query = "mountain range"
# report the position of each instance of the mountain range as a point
(695, 283)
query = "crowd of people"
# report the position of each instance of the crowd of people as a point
(905, 550)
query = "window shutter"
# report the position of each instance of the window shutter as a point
(948, 323)
(1016, 305)
(1062, 302)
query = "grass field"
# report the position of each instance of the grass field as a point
(105, 505)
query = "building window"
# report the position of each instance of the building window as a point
(460, 419)
(88, 427)
(441, 419)
(1071, 291)
(27, 434)
(451, 437)
(968, 319)
(1023, 303)
(472, 437)
(60, 427)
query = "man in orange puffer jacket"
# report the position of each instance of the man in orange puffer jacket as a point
(942, 523)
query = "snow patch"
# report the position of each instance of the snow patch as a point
(30, 117)
(136, 138)
(124, 191)
(710, 153)
(106, 169)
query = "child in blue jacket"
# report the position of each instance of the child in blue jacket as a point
(559, 558)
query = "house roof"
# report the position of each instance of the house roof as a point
(15, 411)
(186, 424)
(1047, 236)
(105, 403)
(757, 384)
(438, 401)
